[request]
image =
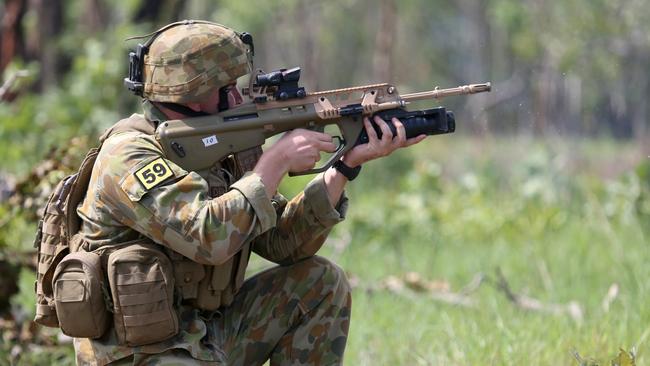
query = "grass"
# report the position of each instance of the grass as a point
(557, 219)
(562, 220)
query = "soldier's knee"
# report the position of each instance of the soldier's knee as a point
(330, 275)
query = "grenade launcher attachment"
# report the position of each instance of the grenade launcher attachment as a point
(276, 104)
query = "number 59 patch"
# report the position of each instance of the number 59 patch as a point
(154, 173)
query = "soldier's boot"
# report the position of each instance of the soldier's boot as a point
(294, 315)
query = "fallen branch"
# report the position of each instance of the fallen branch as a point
(573, 308)
(9, 83)
(411, 285)
(473, 285)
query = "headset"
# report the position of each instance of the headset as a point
(135, 83)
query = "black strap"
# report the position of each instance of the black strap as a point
(223, 99)
(349, 173)
(178, 108)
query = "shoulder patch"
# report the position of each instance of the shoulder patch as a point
(154, 173)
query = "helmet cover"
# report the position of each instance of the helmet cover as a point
(185, 63)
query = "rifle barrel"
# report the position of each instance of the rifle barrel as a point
(442, 93)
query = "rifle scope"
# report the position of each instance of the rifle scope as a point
(277, 77)
(285, 81)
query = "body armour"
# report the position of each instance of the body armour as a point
(207, 287)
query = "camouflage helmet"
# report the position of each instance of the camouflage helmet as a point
(187, 61)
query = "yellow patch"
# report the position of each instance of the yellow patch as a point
(154, 173)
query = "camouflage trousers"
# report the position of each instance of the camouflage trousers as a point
(291, 315)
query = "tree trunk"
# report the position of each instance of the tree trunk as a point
(474, 67)
(95, 16)
(309, 19)
(148, 11)
(383, 58)
(50, 17)
(160, 12)
(11, 35)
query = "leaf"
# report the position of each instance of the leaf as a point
(624, 358)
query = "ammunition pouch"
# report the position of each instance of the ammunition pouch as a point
(79, 295)
(141, 279)
(209, 287)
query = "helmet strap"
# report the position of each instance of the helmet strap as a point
(223, 99)
(179, 108)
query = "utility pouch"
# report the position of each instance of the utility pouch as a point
(141, 279)
(79, 296)
(211, 287)
(187, 274)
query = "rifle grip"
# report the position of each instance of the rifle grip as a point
(336, 155)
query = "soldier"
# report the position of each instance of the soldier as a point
(295, 313)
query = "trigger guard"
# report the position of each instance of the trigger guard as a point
(341, 142)
(336, 155)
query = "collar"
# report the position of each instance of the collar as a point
(152, 113)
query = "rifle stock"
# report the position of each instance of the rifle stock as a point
(197, 144)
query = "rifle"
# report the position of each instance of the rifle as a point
(278, 104)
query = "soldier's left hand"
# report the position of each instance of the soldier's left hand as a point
(380, 147)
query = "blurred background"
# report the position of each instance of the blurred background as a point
(523, 238)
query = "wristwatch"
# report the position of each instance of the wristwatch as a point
(349, 173)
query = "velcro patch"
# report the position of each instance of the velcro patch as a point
(154, 173)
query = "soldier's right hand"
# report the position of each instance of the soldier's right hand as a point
(300, 149)
(295, 151)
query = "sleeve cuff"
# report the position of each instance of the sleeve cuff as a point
(252, 187)
(318, 200)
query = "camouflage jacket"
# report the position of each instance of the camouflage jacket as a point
(178, 213)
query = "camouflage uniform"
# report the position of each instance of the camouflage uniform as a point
(296, 313)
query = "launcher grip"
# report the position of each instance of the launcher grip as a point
(434, 121)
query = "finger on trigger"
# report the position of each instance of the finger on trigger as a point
(322, 136)
(328, 146)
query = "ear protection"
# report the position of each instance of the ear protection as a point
(135, 83)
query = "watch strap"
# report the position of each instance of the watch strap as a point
(349, 173)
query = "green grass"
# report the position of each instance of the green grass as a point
(553, 217)
(562, 220)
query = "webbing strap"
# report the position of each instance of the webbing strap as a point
(145, 298)
(45, 310)
(51, 229)
(48, 249)
(43, 267)
(139, 277)
(52, 209)
(144, 319)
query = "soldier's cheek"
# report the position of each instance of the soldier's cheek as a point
(234, 98)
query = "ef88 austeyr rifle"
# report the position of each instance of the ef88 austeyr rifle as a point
(277, 104)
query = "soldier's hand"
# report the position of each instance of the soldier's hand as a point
(376, 147)
(300, 149)
(296, 151)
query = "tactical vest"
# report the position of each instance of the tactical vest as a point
(211, 287)
(61, 250)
